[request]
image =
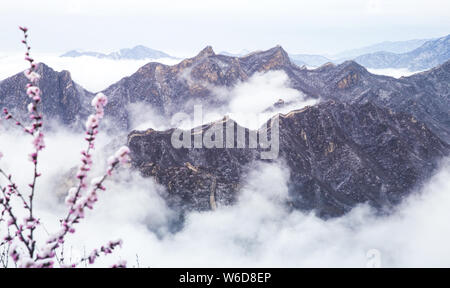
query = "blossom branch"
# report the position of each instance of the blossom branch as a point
(77, 201)
(4, 201)
(13, 188)
(104, 250)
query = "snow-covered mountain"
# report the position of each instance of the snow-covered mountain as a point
(136, 53)
(387, 46)
(430, 54)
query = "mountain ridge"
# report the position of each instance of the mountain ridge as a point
(63, 99)
(428, 55)
(339, 155)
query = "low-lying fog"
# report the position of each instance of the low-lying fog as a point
(257, 231)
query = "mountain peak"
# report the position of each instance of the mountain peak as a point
(353, 65)
(280, 55)
(274, 58)
(278, 50)
(206, 52)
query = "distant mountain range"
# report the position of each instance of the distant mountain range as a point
(428, 55)
(136, 53)
(372, 138)
(414, 55)
(386, 46)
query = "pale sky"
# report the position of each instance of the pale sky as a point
(183, 27)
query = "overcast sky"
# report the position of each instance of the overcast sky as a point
(184, 27)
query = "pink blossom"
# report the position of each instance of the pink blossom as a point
(14, 253)
(33, 157)
(96, 181)
(92, 122)
(33, 91)
(32, 76)
(123, 154)
(93, 256)
(77, 198)
(99, 100)
(70, 199)
(38, 142)
(31, 107)
(1, 155)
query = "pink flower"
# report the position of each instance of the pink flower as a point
(38, 142)
(33, 157)
(33, 91)
(123, 154)
(1, 155)
(32, 76)
(92, 122)
(31, 107)
(100, 100)
(93, 256)
(70, 199)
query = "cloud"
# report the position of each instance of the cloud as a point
(258, 231)
(91, 73)
(144, 116)
(257, 96)
(396, 73)
(250, 103)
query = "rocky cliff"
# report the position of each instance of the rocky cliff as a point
(63, 99)
(339, 155)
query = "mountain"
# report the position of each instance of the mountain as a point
(425, 96)
(386, 46)
(370, 140)
(63, 99)
(428, 55)
(339, 155)
(309, 60)
(136, 53)
(171, 89)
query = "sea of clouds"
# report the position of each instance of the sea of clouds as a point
(258, 231)
(93, 74)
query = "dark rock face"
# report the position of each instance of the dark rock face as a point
(62, 100)
(195, 178)
(339, 155)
